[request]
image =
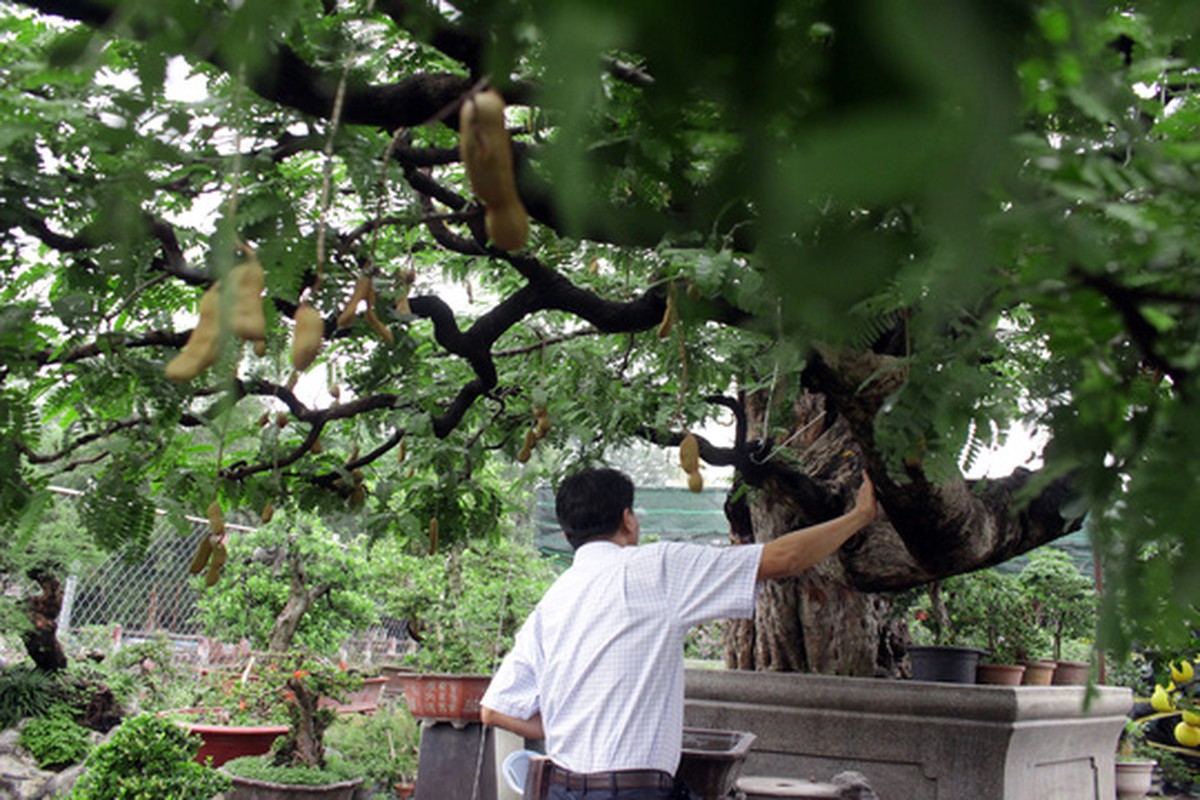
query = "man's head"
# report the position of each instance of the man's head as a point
(592, 503)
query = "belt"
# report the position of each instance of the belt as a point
(616, 779)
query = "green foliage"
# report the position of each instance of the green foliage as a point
(986, 608)
(1063, 598)
(55, 742)
(258, 580)
(465, 606)
(25, 692)
(260, 768)
(1020, 227)
(147, 758)
(382, 746)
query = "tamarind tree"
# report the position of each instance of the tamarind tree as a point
(875, 234)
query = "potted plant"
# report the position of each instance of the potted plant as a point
(463, 608)
(296, 764)
(1135, 763)
(1064, 604)
(382, 747)
(940, 650)
(995, 607)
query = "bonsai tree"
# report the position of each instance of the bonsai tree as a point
(298, 591)
(993, 608)
(464, 606)
(1063, 598)
(290, 582)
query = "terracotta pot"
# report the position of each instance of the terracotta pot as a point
(225, 742)
(1038, 673)
(393, 673)
(1000, 674)
(436, 696)
(250, 789)
(404, 791)
(945, 664)
(365, 698)
(1071, 673)
(1134, 779)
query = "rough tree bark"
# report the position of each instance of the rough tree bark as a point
(300, 600)
(41, 638)
(835, 618)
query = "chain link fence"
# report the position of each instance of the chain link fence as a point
(121, 601)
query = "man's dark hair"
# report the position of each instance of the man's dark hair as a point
(590, 503)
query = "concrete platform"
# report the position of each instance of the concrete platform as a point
(920, 741)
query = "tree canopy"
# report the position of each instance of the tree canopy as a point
(940, 217)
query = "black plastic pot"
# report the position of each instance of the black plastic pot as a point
(944, 664)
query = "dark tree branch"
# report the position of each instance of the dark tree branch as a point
(1126, 302)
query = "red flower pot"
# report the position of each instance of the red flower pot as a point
(225, 742)
(444, 697)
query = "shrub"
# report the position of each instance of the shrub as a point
(382, 747)
(260, 768)
(25, 692)
(467, 605)
(55, 741)
(148, 758)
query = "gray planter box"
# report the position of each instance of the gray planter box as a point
(920, 741)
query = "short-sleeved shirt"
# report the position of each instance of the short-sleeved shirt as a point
(601, 657)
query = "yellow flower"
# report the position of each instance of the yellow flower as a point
(1183, 674)
(1187, 735)
(1161, 700)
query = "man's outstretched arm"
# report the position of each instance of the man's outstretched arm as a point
(528, 728)
(795, 552)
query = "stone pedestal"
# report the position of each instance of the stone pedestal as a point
(456, 761)
(917, 740)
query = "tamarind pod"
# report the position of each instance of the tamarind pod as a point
(265, 419)
(542, 417)
(401, 452)
(201, 556)
(664, 327)
(292, 380)
(358, 496)
(281, 419)
(335, 392)
(260, 347)
(268, 511)
(249, 281)
(383, 331)
(216, 519)
(307, 338)
(486, 151)
(524, 454)
(593, 266)
(353, 454)
(695, 481)
(362, 290)
(433, 535)
(357, 476)
(317, 448)
(216, 564)
(201, 349)
(402, 306)
(689, 453)
(507, 227)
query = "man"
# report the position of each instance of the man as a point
(597, 669)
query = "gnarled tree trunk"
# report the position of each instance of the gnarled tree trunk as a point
(835, 618)
(41, 638)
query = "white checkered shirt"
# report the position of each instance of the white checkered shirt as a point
(602, 654)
